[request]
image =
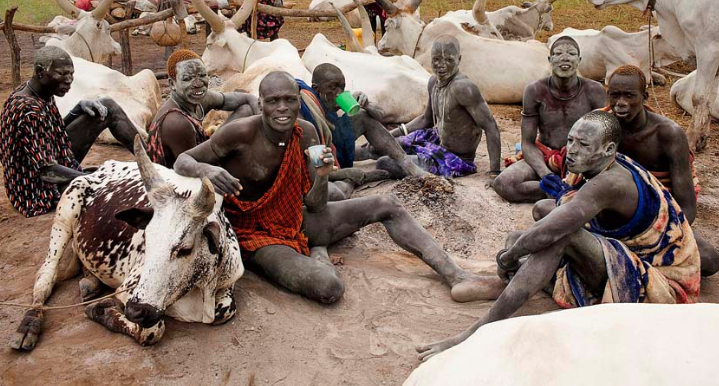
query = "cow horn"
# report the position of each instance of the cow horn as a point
(412, 6)
(68, 7)
(204, 202)
(102, 9)
(353, 44)
(388, 7)
(216, 24)
(150, 177)
(243, 13)
(367, 34)
(478, 11)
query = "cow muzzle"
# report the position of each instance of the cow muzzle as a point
(143, 314)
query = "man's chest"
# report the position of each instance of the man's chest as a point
(646, 150)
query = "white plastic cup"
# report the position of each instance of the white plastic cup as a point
(316, 152)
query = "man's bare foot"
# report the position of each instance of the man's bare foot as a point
(429, 350)
(477, 288)
(414, 170)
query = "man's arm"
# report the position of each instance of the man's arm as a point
(374, 111)
(594, 197)
(35, 144)
(200, 161)
(230, 101)
(316, 199)
(178, 134)
(423, 121)
(469, 96)
(676, 147)
(530, 126)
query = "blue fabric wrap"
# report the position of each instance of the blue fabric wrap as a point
(343, 136)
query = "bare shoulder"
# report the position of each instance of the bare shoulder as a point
(238, 132)
(535, 88)
(467, 91)
(309, 134)
(593, 86)
(668, 131)
(431, 82)
(176, 123)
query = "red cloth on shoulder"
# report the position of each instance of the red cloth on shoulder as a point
(276, 218)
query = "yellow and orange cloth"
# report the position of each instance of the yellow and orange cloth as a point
(553, 158)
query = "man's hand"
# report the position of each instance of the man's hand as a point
(329, 163)
(506, 271)
(361, 98)
(223, 181)
(93, 108)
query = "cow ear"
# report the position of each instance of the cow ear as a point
(526, 4)
(212, 232)
(136, 217)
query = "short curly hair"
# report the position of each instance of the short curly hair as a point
(177, 57)
(631, 70)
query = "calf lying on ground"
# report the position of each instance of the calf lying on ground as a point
(144, 228)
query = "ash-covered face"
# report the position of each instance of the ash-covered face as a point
(445, 60)
(279, 102)
(564, 60)
(329, 86)
(58, 78)
(587, 150)
(626, 97)
(191, 81)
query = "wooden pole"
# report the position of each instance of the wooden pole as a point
(180, 11)
(125, 42)
(253, 23)
(14, 47)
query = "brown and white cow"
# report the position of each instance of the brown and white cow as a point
(142, 227)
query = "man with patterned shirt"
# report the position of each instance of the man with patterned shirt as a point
(39, 149)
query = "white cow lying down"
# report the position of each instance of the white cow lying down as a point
(138, 95)
(611, 344)
(682, 91)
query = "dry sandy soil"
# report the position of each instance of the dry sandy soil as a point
(392, 303)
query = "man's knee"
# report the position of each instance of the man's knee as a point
(389, 204)
(709, 257)
(503, 185)
(542, 208)
(328, 288)
(113, 109)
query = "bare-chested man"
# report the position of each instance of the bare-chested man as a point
(660, 145)
(637, 249)
(549, 109)
(264, 156)
(445, 138)
(40, 150)
(178, 124)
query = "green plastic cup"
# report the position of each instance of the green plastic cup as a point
(348, 103)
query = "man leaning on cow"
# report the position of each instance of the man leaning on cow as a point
(41, 151)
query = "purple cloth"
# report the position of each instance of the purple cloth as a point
(433, 157)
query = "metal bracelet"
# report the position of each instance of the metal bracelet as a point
(504, 267)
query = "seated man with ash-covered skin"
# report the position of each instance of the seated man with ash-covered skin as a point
(444, 140)
(340, 132)
(178, 123)
(550, 107)
(283, 209)
(40, 150)
(660, 145)
(590, 247)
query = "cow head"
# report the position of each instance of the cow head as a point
(182, 244)
(403, 28)
(91, 39)
(544, 10)
(664, 53)
(226, 48)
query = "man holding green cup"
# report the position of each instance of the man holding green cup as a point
(321, 104)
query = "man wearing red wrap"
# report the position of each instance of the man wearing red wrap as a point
(549, 109)
(283, 219)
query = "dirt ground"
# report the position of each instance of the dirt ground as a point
(392, 302)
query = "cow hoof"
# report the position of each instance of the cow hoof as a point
(90, 288)
(27, 334)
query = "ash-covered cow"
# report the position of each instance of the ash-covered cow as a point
(142, 228)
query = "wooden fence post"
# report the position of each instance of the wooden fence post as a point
(125, 43)
(14, 47)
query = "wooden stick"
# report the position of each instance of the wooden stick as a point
(253, 23)
(8, 28)
(29, 28)
(127, 24)
(285, 12)
(178, 7)
(125, 42)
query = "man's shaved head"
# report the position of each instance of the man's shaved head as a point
(325, 71)
(611, 129)
(277, 79)
(565, 40)
(48, 54)
(446, 43)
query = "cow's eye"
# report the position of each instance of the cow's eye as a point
(184, 252)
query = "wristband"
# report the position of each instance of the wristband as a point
(404, 128)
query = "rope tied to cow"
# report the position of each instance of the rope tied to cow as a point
(648, 13)
(85, 303)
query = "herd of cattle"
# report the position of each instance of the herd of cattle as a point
(498, 53)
